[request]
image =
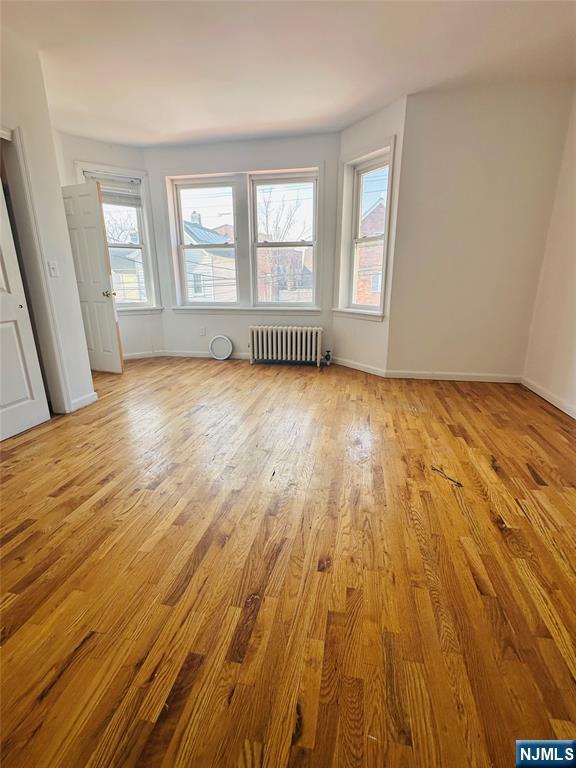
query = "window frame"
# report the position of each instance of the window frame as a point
(262, 179)
(189, 183)
(104, 172)
(344, 236)
(361, 168)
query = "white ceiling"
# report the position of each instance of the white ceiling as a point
(157, 72)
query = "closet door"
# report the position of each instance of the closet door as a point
(22, 397)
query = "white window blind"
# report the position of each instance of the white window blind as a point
(117, 190)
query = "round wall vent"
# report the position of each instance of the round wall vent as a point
(220, 347)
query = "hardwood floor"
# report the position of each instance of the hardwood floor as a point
(224, 565)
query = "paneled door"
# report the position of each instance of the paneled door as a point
(22, 397)
(93, 275)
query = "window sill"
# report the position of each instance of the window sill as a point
(360, 314)
(255, 310)
(139, 310)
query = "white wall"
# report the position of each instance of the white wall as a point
(56, 304)
(551, 356)
(478, 174)
(182, 329)
(71, 148)
(474, 179)
(360, 342)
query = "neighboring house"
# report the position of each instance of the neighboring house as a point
(127, 274)
(368, 284)
(210, 272)
(284, 274)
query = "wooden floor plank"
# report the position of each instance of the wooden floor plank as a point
(219, 564)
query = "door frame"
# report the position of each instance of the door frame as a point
(50, 348)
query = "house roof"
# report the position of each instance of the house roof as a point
(199, 235)
(380, 201)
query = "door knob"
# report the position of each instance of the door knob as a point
(106, 293)
(113, 293)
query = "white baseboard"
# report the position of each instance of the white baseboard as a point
(180, 353)
(431, 375)
(142, 355)
(185, 353)
(82, 402)
(359, 366)
(559, 402)
(497, 378)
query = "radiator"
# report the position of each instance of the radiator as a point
(291, 343)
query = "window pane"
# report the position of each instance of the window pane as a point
(207, 215)
(128, 275)
(285, 211)
(367, 285)
(372, 207)
(210, 274)
(285, 275)
(121, 223)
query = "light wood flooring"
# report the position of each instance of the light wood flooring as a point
(225, 565)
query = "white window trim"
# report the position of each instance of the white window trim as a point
(148, 252)
(361, 314)
(258, 179)
(360, 170)
(217, 309)
(178, 184)
(349, 209)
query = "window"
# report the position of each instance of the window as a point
(198, 284)
(207, 242)
(370, 208)
(126, 237)
(284, 239)
(365, 217)
(247, 239)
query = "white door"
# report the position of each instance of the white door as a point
(93, 275)
(22, 397)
